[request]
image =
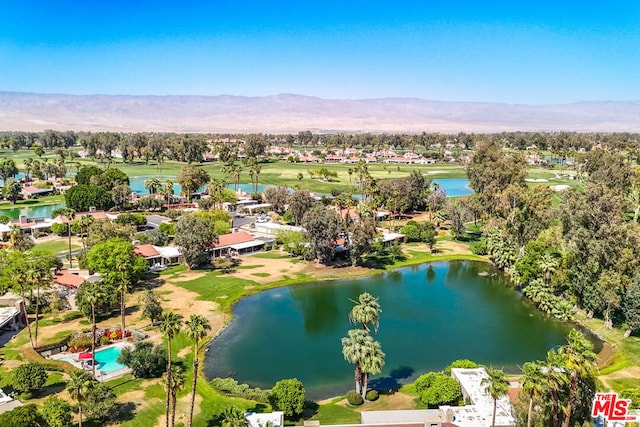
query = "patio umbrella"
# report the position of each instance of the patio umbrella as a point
(85, 356)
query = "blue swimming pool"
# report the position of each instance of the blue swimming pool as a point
(107, 360)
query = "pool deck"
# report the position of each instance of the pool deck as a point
(100, 376)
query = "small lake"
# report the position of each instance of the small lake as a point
(454, 187)
(432, 314)
(38, 211)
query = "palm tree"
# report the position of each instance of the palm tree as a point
(352, 350)
(39, 275)
(174, 383)
(78, 386)
(366, 311)
(70, 214)
(153, 185)
(372, 362)
(92, 296)
(533, 385)
(28, 167)
(167, 191)
(84, 222)
(579, 361)
(548, 264)
(497, 386)
(197, 327)
(233, 417)
(170, 325)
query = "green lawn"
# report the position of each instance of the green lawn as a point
(57, 246)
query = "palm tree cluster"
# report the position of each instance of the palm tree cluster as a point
(359, 348)
(560, 387)
(196, 329)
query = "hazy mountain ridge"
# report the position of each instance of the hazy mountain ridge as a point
(293, 113)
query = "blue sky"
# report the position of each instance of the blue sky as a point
(517, 52)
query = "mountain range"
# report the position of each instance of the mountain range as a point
(288, 113)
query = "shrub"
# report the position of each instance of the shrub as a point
(372, 395)
(288, 396)
(354, 398)
(22, 416)
(232, 388)
(57, 412)
(438, 389)
(80, 342)
(478, 247)
(145, 360)
(460, 363)
(29, 377)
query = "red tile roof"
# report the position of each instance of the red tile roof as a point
(147, 251)
(233, 239)
(68, 279)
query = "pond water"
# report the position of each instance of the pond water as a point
(432, 314)
(454, 187)
(41, 211)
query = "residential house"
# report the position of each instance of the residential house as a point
(31, 191)
(237, 244)
(32, 225)
(159, 257)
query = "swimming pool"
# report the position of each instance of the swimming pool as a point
(107, 360)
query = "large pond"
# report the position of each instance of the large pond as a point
(432, 314)
(37, 211)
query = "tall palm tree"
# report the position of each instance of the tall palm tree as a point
(174, 383)
(70, 214)
(153, 185)
(366, 311)
(579, 361)
(84, 222)
(533, 385)
(28, 167)
(79, 386)
(197, 328)
(170, 326)
(92, 296)
(39, 275)
(167, 191)
(372, 362)
(497, 386)
(353, 349)
(233, 417)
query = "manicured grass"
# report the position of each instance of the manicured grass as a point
(57, 246)
(261, 274)
(271, 255)
(42, 201)
(225, 290)
(332, 413)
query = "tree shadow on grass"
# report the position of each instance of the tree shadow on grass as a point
(54, 388)
(391, 383)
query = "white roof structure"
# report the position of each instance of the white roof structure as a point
(168, 251)
(245, 245)
(7, 403)
(480, 412)
(4, 228)
(272, 228)
(411, 416)
(7, 314)
(390, 237)
(272, 419)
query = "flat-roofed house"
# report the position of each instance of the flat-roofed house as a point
(236, 244)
